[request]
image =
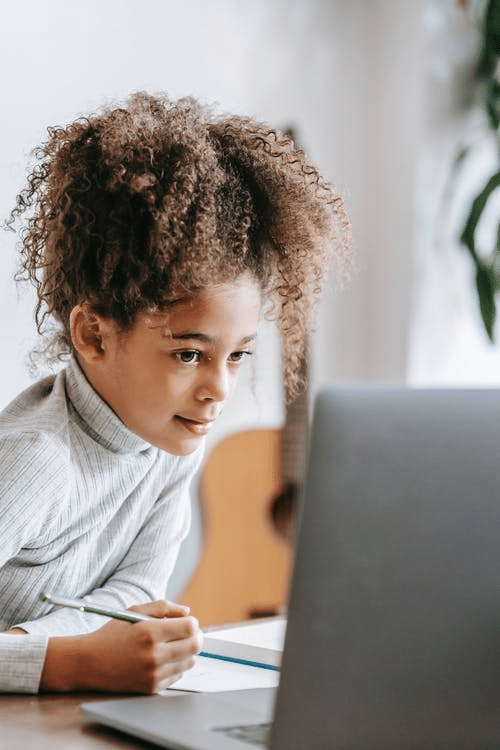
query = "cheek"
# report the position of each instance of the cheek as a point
(175, 384)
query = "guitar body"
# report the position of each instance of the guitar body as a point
(245, 565)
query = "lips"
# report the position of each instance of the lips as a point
(195, 427)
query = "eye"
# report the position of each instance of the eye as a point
(188, 356)
(239, 356)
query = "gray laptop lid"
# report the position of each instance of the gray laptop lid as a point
(393, 639)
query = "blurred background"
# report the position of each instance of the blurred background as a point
(380, 93)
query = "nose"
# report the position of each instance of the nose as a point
(216, 383)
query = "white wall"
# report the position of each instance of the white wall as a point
(377, 95)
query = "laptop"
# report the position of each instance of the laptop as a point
(393, 635)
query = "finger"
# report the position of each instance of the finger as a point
(172, 609)
(170, 673)
(175, 629)
(176, 609)
(161, 608)
(177, 651)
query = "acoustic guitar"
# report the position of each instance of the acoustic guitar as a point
(247, 497)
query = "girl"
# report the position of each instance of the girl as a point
(153, 233)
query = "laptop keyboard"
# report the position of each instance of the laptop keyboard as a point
(254, 734)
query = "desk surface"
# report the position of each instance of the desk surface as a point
(54, 722)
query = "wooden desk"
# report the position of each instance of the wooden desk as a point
(54, 722)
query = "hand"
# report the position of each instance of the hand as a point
(142, 657)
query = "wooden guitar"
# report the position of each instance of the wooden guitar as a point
(247, 493)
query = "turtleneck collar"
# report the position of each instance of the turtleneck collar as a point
(101, 422)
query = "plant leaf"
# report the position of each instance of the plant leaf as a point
(492, 28)
(467, 236)
(485, 284)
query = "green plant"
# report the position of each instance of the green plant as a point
(487, 268)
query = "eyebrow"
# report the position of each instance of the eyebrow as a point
(207, 339)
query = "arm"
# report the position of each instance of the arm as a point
(143, 657)
(114, 657)
(144, 570)
(119, 657)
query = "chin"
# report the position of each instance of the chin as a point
(179, 449)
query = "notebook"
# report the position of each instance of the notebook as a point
(259, 644)
(393, 635)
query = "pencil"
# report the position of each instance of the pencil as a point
(95, 609)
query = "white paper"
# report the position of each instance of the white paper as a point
(214, 675)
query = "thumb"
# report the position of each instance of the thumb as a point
(161, 608)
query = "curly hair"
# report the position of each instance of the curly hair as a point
(127, 207)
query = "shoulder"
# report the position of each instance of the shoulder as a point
(41, 408)
(33, 438)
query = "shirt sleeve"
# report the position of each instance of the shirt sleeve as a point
(144, 571)
(21, 658)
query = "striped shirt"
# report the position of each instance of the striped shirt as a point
(87, 510)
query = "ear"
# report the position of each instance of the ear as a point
(89, 333)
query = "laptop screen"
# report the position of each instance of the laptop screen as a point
(393, 637)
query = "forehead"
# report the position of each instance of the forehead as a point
(229, 307)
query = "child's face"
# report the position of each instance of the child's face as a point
(170, 377)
